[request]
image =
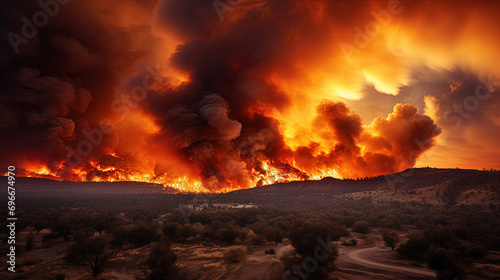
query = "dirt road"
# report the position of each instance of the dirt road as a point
(358, 256)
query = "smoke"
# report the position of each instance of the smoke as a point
(263, 96)
(388, 145)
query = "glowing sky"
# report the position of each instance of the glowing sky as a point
(211, 95)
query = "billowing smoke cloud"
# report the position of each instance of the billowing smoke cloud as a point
(461, 102)
(249, 100)
(386, 146)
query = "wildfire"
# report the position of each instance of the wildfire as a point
(269, 173)
(175, 96)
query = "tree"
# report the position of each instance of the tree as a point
(253, 239)
(314, 255)
(29, 241)
(160, 263)
(227, 234)
(235, 254)
(120, 235)
(450, 194)
(270, 252)
(274, 234)
(361, 227)
(185, 231)
(144, 233)
(446, 263)
(39, 224)
(391, 238)
(170, 228)
(63, 226)
(91, 252)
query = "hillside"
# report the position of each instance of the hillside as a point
(457, 180)
(39, 186)
(442, 181)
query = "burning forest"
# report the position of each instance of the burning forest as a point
(214, 96)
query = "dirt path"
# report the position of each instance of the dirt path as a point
(356, 256)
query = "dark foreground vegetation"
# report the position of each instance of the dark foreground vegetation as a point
(97, 228)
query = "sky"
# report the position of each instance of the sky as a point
(221, 95)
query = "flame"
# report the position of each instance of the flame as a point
(269, 173)
(281, 91)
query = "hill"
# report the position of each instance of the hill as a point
(455, 180)
(442, 185)
(40, 186)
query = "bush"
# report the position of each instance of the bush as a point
(311, 239)
(235, 254)
(446, 263)
(120, 235)
(80, 235)
(391, 238)
(185, 231)
(352, 242)
(289, 259)
(477, 252)
(439, 248)
(253, 239)
(90, 252)
(304, 236)
(160, 263)
(145, 233)
(140, 234)
(29, 241)
(227, 234)
(274, 234)
(361, 227)
(49, 238)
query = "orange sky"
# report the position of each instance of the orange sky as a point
(254, 93)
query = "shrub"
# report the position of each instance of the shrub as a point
(140, 234)
(185, 231)
(477, 252)
(29, 241)
(160, 263)
(253, 239)
(391, 238)
(144, 233)
(235, 254)
(90, 252)
(304, 235)
(49, 238)
(352, 242)
(310, 239)
(439, 248)
(446, 263)
(274, 234)
(120, 235)
(361, 227)
(227, 234)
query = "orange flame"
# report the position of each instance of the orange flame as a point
(272, 174)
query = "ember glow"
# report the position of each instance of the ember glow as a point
(182, 93)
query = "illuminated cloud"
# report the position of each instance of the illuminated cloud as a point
(272, 91)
